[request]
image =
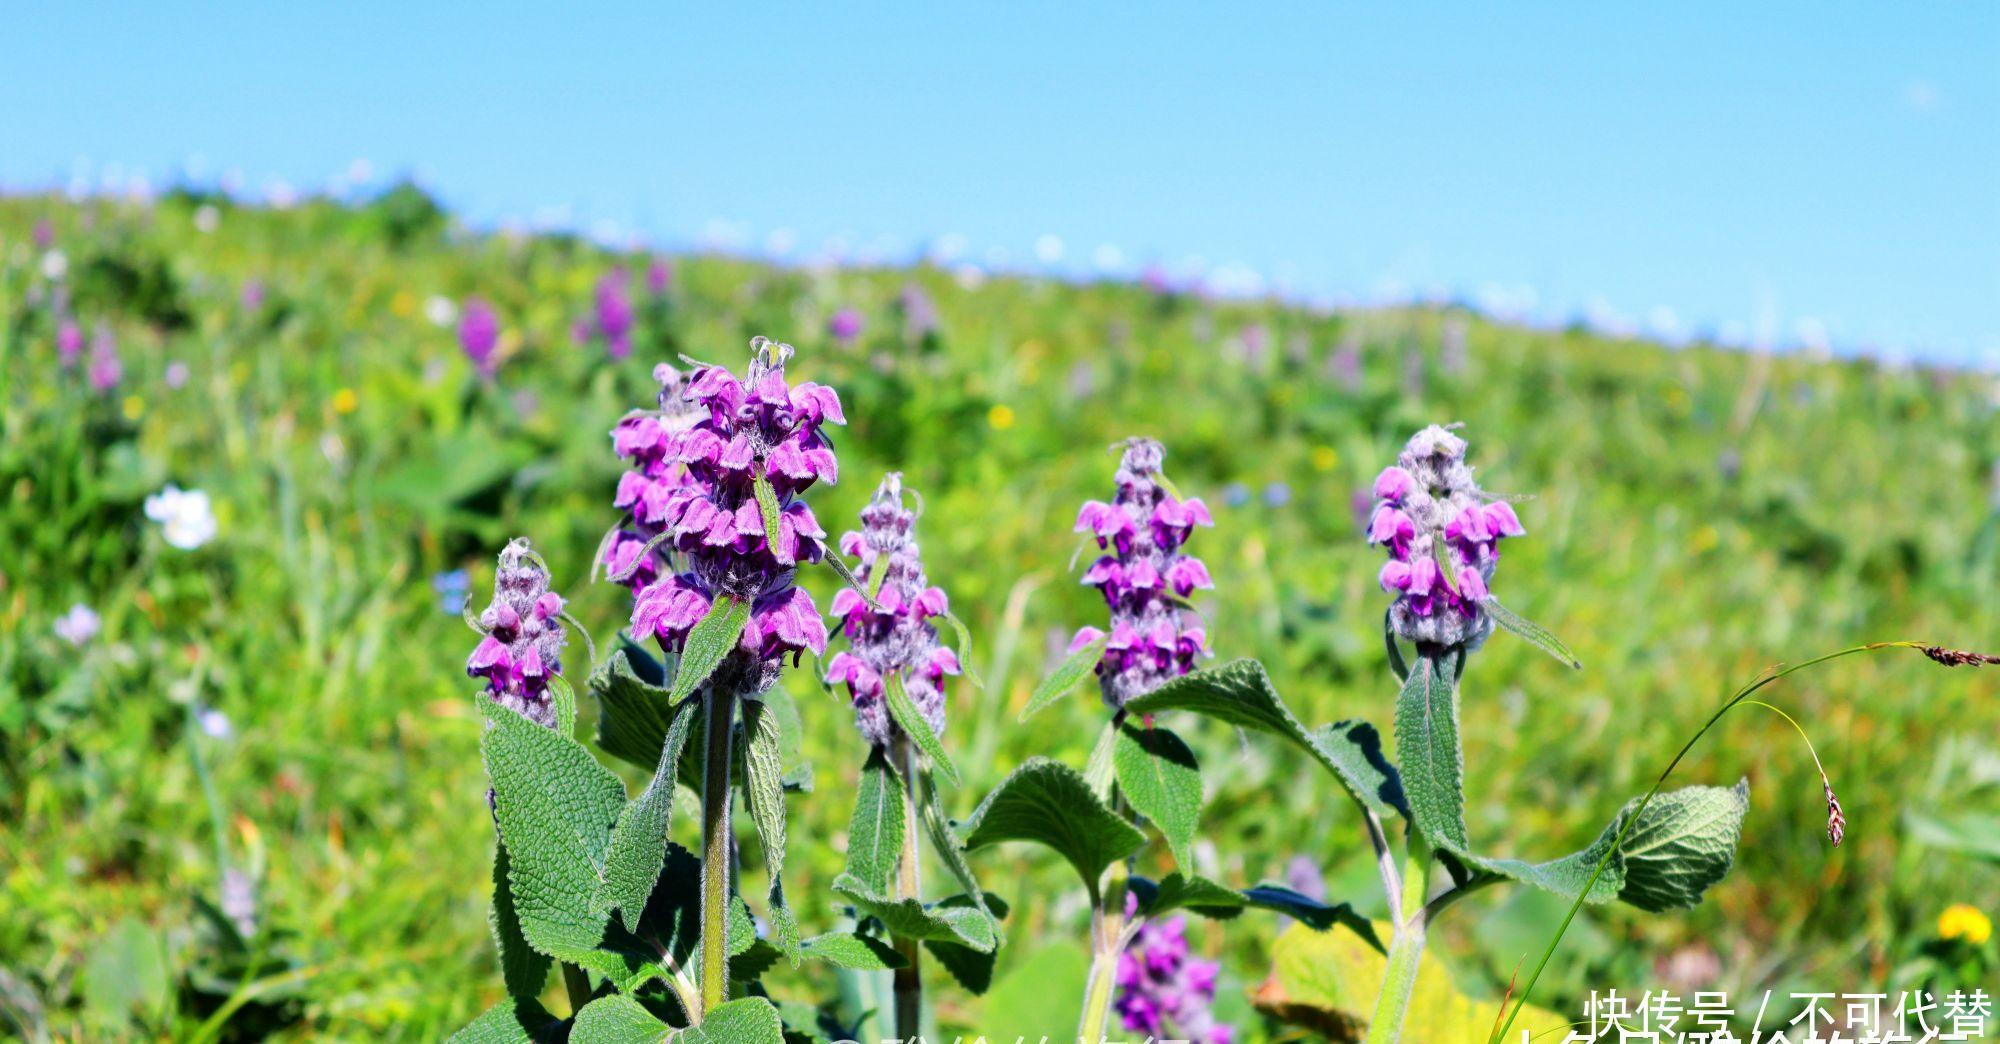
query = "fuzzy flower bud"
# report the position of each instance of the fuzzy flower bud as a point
(896, 636)
(743, 429)
(1144, 578)
(1163, 992)
(522, 649)
(1443, 538)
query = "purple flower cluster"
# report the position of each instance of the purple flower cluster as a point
(105, 367)
(845, 325)
(1443, 537)
(611, 316)
(69, 342)
(695, 489)
(895, 636)
(1145, 580)
(479, 334)
(1164, 992)
(657, 481)
(522, 649)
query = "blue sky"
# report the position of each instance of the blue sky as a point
(1775, 173)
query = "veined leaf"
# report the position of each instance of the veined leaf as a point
(750, 1020)
(832, 559)
(875, 833)
(633, 711)
(1682, 843)
(1428, 752)
(910, 919)
(764, 790)
(1046, 802)
(1073, 669)
(1161, 779)
(1240, 693)
(963, 648)
(950, 847)
(1538, 636)
(767, 506)
(564, 699)
(639, 841)
(525, 970)
(619, 1019)
(514, 1021)
(1098, 770)
(1311, 912)
(971, 968)
(556, 806)
(852, 950)
(708, 643)
(912, 722)
(1181, 891)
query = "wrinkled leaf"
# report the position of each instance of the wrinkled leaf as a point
(767, 508)
(764, 788)
(1046, 802)
(1535, 634)
(910, 919)
(633, 705)
(639, 841)
(709, 641)
(1073, 669)
(852, 950)
(1240, 693)
(912, 722)
(516, 1021)
(944, 838)
(524, 970)
(1428, 753)
(1158, 775)
(875, 833)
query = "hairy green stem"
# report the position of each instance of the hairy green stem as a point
(1769, 676)
(1107, 935)
(719, 705)
(909, 983)
(1406, 947)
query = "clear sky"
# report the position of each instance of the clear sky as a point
(1764, 171)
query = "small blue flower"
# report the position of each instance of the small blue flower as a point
(451, 586)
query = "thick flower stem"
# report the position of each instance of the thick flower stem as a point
(577, 985)
(1399, 981)
(1108, 941)
(909, 983)
(719, 706)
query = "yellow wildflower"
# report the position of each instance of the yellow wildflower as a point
(134, 407)
(1324, 458)
(345, 401)
(1964, 921)
(1001, 416)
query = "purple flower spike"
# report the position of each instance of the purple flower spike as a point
(1163, 992)
(69, 342)
(659, 277)
(845, 325)
(524, 639)
(105, 367)
(697, 460)
(1153, 637)
(479, 334)
(1443, 538)
(896, 637)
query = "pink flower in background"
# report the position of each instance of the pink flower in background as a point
(845, 325)
(479, 334)
(69, 342)
(253, 295)
(659, 277)
(105, 368)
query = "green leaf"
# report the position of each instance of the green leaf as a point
(1098, 770)
(556, 807)
(832, 559)
(1536, 635)
(1065, 677)
(1973, 833)
(910, 919)
(639, 841)
(1160, 778)
(564, 698)
(767, 506)
(517, 1021)
(633, 710)
(1428, 752)
(751, 1020)
(708, 643)
(524, 970)
(851, 950)
(963, 648)
(950, 847)
(1683, 842)
(970, 968)
(1309, 911)
(1046, 802)
(1179, 891)
(764, 790)
(912, 722)
(1240, 693)
(875, 833)
(618, 1020)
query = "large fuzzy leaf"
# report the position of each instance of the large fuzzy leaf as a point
(1240, 693)
(911, 919)
(1428, 753)
(875, 833)
(524, 969)
(709, 641)
(633, 706)
(1046, 802)
(944, 838)
(556, 807)
(764, 788)
(515, 1021)
(1683, 842)
(639, 841)
(1161, 779)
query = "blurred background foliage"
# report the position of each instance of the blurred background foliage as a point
(251, 805)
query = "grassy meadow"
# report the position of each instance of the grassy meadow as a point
(252, 805)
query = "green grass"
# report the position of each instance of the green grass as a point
(1699, 514)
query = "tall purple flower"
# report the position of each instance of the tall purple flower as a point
(479, 334)
(1145, 579)
(105, 368)
(845, 325)
(755, 427)
(896, 636)
(658, 479)
(659, 277)
(522, 649)
(612, 315)
(1163, 991)
(1443, 536)
(69, 342)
